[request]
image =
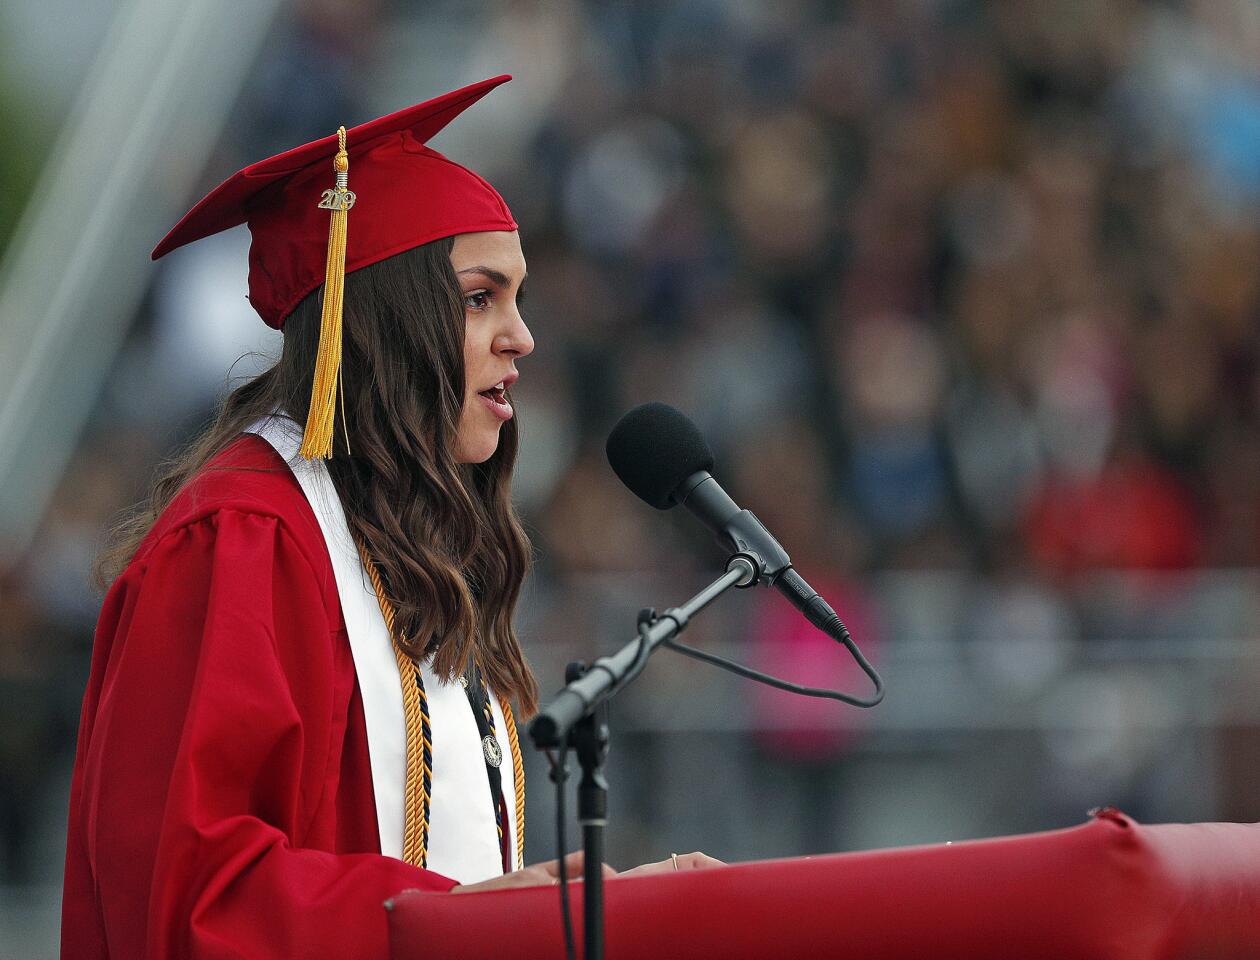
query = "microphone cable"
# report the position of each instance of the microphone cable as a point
(559, 776)
(835, 629)
(832, 627)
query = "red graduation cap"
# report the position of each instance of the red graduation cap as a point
(405, 194)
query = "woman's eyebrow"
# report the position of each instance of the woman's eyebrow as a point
(495, 276)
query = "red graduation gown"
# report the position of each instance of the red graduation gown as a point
(222, 800)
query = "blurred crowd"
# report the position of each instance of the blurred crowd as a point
(947, 284)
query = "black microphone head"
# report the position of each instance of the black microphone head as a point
(653, 449)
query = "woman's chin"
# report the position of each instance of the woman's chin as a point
(479, 449)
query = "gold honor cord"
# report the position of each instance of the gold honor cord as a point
(518, 776)
(419, 739)
(419, 784)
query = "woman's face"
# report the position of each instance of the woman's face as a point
(491, 270)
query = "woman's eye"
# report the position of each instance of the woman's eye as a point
(477, 300)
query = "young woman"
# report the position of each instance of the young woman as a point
(300, 699)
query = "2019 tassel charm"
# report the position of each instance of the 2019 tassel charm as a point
(317, 439)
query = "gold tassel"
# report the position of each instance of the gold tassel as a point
(317, 440)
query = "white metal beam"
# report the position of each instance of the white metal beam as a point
(151, 109)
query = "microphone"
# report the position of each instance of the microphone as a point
(663, 458)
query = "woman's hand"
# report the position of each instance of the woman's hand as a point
(538, 875)
(548, 874)
(680, 861)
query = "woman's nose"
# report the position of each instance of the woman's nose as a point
(516, 340)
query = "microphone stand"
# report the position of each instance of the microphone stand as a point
(576, 717)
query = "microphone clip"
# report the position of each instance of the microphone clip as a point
(748, 539)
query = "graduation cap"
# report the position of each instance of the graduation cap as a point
(298, 205)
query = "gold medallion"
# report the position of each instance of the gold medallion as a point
(490, 747)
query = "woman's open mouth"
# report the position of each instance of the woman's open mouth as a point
(496, 399)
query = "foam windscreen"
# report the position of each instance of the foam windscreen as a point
(653, 449)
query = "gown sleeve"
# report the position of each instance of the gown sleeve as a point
(206, 755)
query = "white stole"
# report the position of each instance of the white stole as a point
(463, 838)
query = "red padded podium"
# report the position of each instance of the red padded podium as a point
(1107, 890)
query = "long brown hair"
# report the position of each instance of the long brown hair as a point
(444, 535)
